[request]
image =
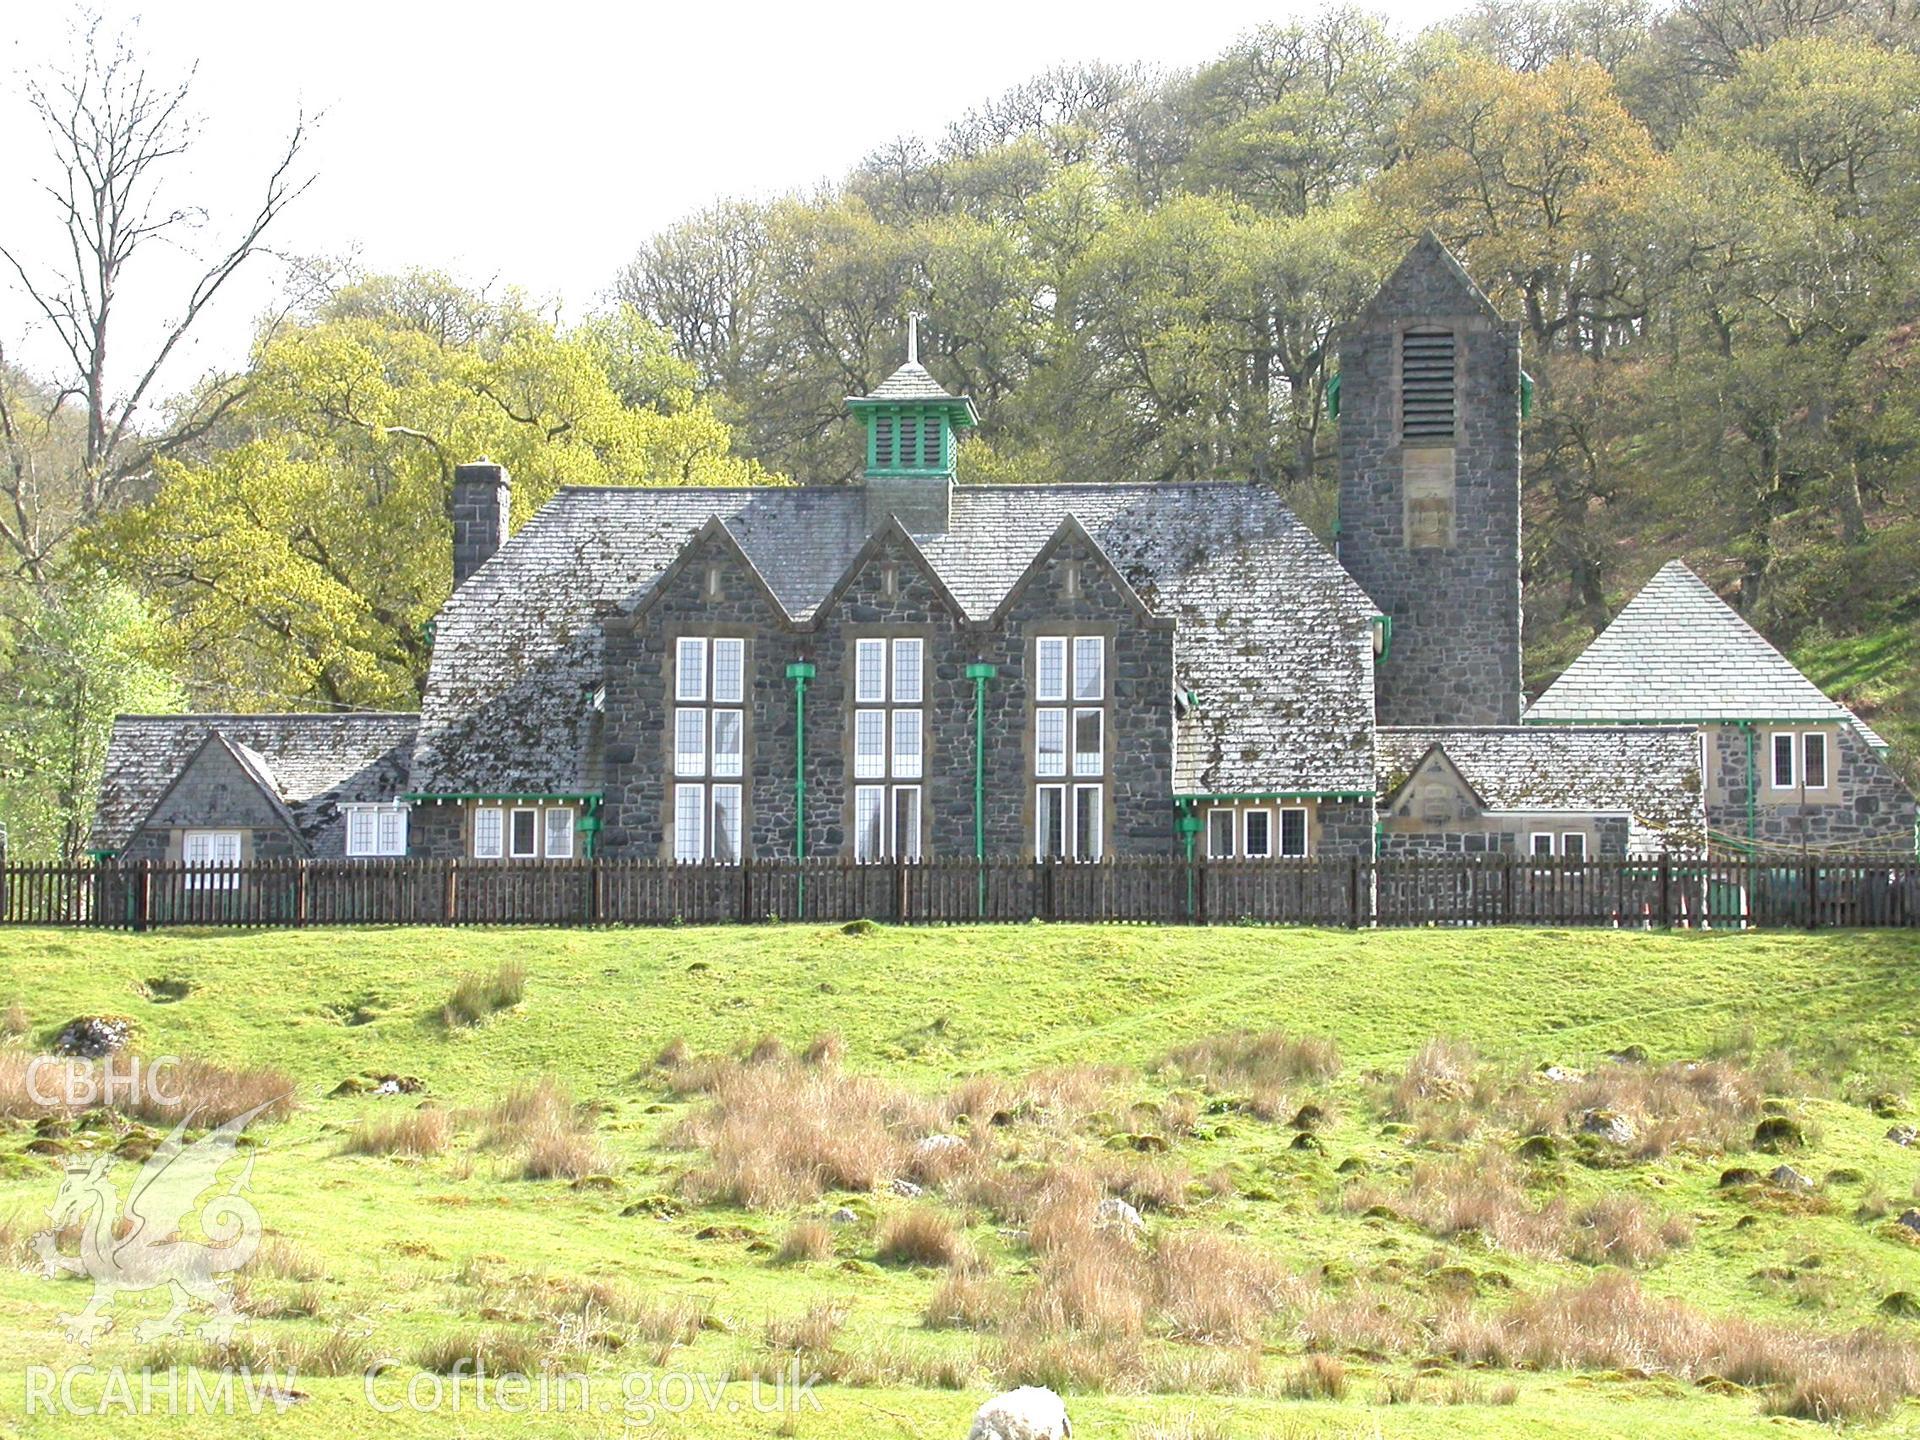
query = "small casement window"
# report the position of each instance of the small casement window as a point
(1089, 667)
(728, 728)
(906, 744)
(559, 823)
(729, 671)
(376, 830)
(1573, 845)
(523, 834)
(1089, 749)
(906, 822)
(1813, 754)
(1086, 822)
(1258, 829)
(1783, 760)
(1427, 387)
(1050, 822)
(1050, 661)
(211, 848)
(870, 743)
(869, 823)
(689, 822)
(726, 824)
(690, 669)
(870, 672)
(1050, 742)
(1293, 831)
(1220, 824)
(907, 666)
(488, 830)
(1540, 843)
(690, 742)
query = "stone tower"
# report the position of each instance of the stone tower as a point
(1428, 403)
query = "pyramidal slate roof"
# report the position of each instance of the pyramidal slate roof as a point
(1272, 635)
(912, 381)
(1679, 653)
(1649, 773)
(310, 764)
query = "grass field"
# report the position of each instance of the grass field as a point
(1372, 1278)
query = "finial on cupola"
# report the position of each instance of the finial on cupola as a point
(913, 337)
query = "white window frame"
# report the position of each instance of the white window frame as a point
(547, 833)
(1223, 812)
(1568, 840)
(1098, 849)
(482, 849)
(737, 829)
(1807, 741)
(513, 816)
(735, 694)
(1793, 759)
(215, 842)
(690, 848)
(863, 694)
(869, 800)
(1091, 764)
(908, 762)
(689, 762)
(1044, 764)
(1534, 852)
(910, 850)
(1099, 646)
(696, 670)
(870, 744)
(1041, 691)
(1040, 850)
(909, 694)
(1246, 833)
(380, 820)
(1280, 832)
(728, 764)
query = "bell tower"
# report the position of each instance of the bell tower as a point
(910, 422)
(1428, 401)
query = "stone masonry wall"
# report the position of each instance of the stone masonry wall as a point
(1455, 657)
(1870, 812)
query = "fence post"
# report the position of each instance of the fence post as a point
(1353, 892)
(1813, 896)
(746, 888)
(300, 892)
(1666, 891)
(450, 897)
(143, 895)
(1200, 900)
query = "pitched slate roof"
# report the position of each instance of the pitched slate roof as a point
(1679, 653)
(311, 764)
(1272, 634)
(912, 381)
(1649, 773)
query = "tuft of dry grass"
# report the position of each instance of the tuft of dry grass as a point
(969, 1300)
(1611, 1324)
(1211, 1289)
(808, 1239)
(476, 994)
(1320, 1377)
(1268, 1059)
(278, 1258)
(553, 1136)
(425, 1131)
(495, 1350)
(198, 1091)
(824, 1050)
(922, 1235)
(1440, 1071)
(15, 1022)
(1621, 1230)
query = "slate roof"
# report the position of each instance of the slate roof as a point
(1649, 773)
(912, 381)
(1679, 653)
(312, 764)
(1272, 635)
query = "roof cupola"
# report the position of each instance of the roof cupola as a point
(909, 422)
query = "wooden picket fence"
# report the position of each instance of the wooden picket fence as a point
(1391, 892)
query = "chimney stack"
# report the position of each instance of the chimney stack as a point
(482, 499)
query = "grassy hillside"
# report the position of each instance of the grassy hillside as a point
(1325, 1267)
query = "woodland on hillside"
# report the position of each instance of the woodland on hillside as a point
(1705, 214)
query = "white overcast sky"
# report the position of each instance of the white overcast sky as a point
(538, 144)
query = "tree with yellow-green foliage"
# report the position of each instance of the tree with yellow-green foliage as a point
(300, 558)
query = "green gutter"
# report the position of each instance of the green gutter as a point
(582, 797)
(1225, 797)
(980, 672)
(800, 672)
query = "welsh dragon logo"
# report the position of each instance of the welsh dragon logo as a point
(141, 1249)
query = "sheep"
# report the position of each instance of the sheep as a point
(1029, 1413)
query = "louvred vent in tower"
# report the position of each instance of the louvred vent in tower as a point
(1426, 386)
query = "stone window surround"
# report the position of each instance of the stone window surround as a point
(1797, 791)
(1557, 844)
(1068, 783)
(669, 747)
(891, 785)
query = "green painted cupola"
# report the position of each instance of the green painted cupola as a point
(909, 421)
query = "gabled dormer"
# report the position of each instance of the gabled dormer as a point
(909, 422)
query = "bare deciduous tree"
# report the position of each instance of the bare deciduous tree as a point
(115, 132)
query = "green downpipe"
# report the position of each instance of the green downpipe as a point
(980, 672)
(590, 827)
(800, 672)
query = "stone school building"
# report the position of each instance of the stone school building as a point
(906, 668)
